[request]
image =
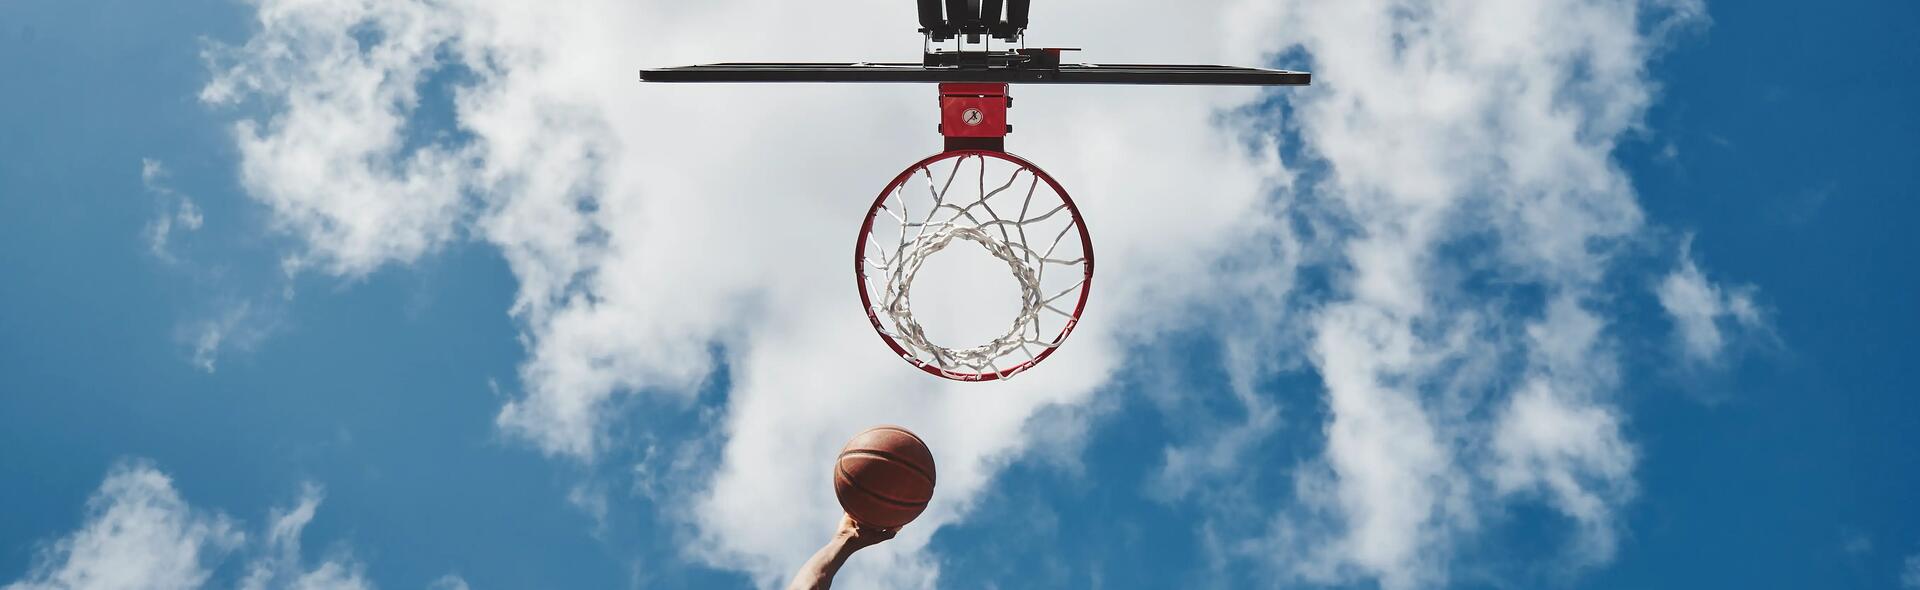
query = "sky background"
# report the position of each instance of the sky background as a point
(433, 294)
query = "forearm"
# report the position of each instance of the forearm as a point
(818, 572)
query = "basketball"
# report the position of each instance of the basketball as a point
(884, 477)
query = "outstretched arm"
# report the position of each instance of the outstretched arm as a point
(818, 573)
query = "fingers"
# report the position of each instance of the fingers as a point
(870, 529)
(866, 533)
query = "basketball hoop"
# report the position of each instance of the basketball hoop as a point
(903, 229)
(1005, 205)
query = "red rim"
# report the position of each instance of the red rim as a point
(866, 303)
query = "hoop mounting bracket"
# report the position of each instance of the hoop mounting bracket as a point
(973, 115)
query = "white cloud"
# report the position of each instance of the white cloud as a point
(448, 582)
(1471, 207)
(1572, 452)
(1551, 437)
(1702, 311)
(279, 565)
(655, 228)
(333, 165)
(1910, 575)
(138, 533)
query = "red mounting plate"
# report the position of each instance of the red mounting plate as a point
(974, 115)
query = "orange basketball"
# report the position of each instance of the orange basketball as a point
(884, 477)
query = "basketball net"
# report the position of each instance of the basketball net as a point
(1019, 220)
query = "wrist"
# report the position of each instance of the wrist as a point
(839, 550)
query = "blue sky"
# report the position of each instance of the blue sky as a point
(457, 356)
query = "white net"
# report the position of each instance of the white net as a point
(1005, 207)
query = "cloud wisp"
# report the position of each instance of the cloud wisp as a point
(226, 323)
(177, 211)
(1703, 312)
(280, 564)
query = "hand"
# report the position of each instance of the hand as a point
(818, 572)
(858, 535)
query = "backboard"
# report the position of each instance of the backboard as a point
(1154, 74)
